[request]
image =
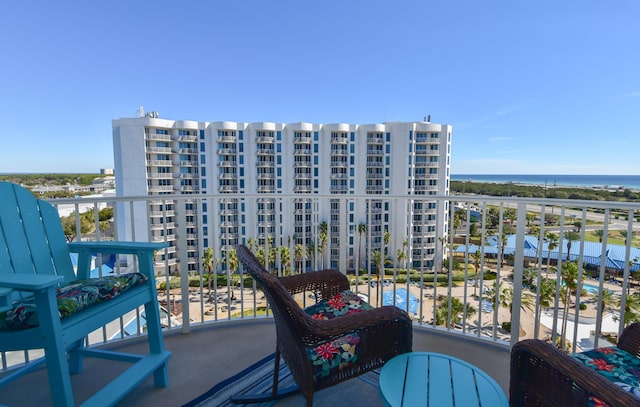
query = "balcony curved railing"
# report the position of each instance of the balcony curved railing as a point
(493, 273)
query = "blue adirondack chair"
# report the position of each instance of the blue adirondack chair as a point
(35, 272)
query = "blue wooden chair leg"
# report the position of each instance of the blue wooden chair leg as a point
(55, 353)
(156, 344)
(76, 358)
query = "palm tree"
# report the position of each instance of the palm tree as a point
(386, 238)
(626, 236)
(553, 241)
(300, 254)
(496, 290)
(505, 298)
(362, 229)
(401, 256)
(547, 293)
(324, 237)
(458, 310)
(503, 244)
(632, 309)
(231, 259)
(311, 249)
(608, 301)
(600, 234)
(570, 236)
(207, 264)
(378, 260)
(477, 256)
(569, 277)
(285, 259)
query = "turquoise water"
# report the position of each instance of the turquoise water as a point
(626, 181)
(591, 289)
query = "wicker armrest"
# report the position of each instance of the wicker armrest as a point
(630, 339)
(323, 283)
(542, 375)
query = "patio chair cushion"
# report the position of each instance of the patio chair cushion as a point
(344, 303)
(72, 298)
(617, 365)
(341, 352)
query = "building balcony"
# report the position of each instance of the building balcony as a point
(265, 139)
(226, 139)
(186, 163)
(227, 151)
(190, 138)
(163, 150)
(228, 188)
(159, 176)
(161, 189)
(153, 136)
(474, 262)
(159, 163)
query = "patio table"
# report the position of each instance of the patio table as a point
(435, 379)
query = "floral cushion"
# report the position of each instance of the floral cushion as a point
(342, 351)
(345, 303)
(617, 365)
(72, 297)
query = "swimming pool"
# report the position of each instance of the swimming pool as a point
(592, 289)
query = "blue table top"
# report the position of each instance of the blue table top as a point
(435, 379)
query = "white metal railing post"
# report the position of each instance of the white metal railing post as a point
(518, 264)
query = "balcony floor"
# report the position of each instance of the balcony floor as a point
(213, 352)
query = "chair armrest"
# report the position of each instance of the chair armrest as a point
(29, 282)
(116, 247)
(324, 283)
(630, 339)
(139, 249)
(543, 375)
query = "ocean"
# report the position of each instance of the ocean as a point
(588, 181)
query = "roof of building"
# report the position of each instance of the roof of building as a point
(591, 251)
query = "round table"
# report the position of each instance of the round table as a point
(435, 379)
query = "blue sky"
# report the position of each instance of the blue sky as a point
(539, 87)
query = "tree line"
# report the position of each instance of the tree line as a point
(536, 191)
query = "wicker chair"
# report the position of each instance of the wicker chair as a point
(383, 332)
(542, 375)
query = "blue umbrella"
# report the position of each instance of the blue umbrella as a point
(400, 300)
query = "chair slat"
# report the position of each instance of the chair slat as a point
(59, 250)
(15, 241)
(34, 232)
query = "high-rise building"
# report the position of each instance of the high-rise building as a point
(364, 166)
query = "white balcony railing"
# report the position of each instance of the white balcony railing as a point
(503, 240)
